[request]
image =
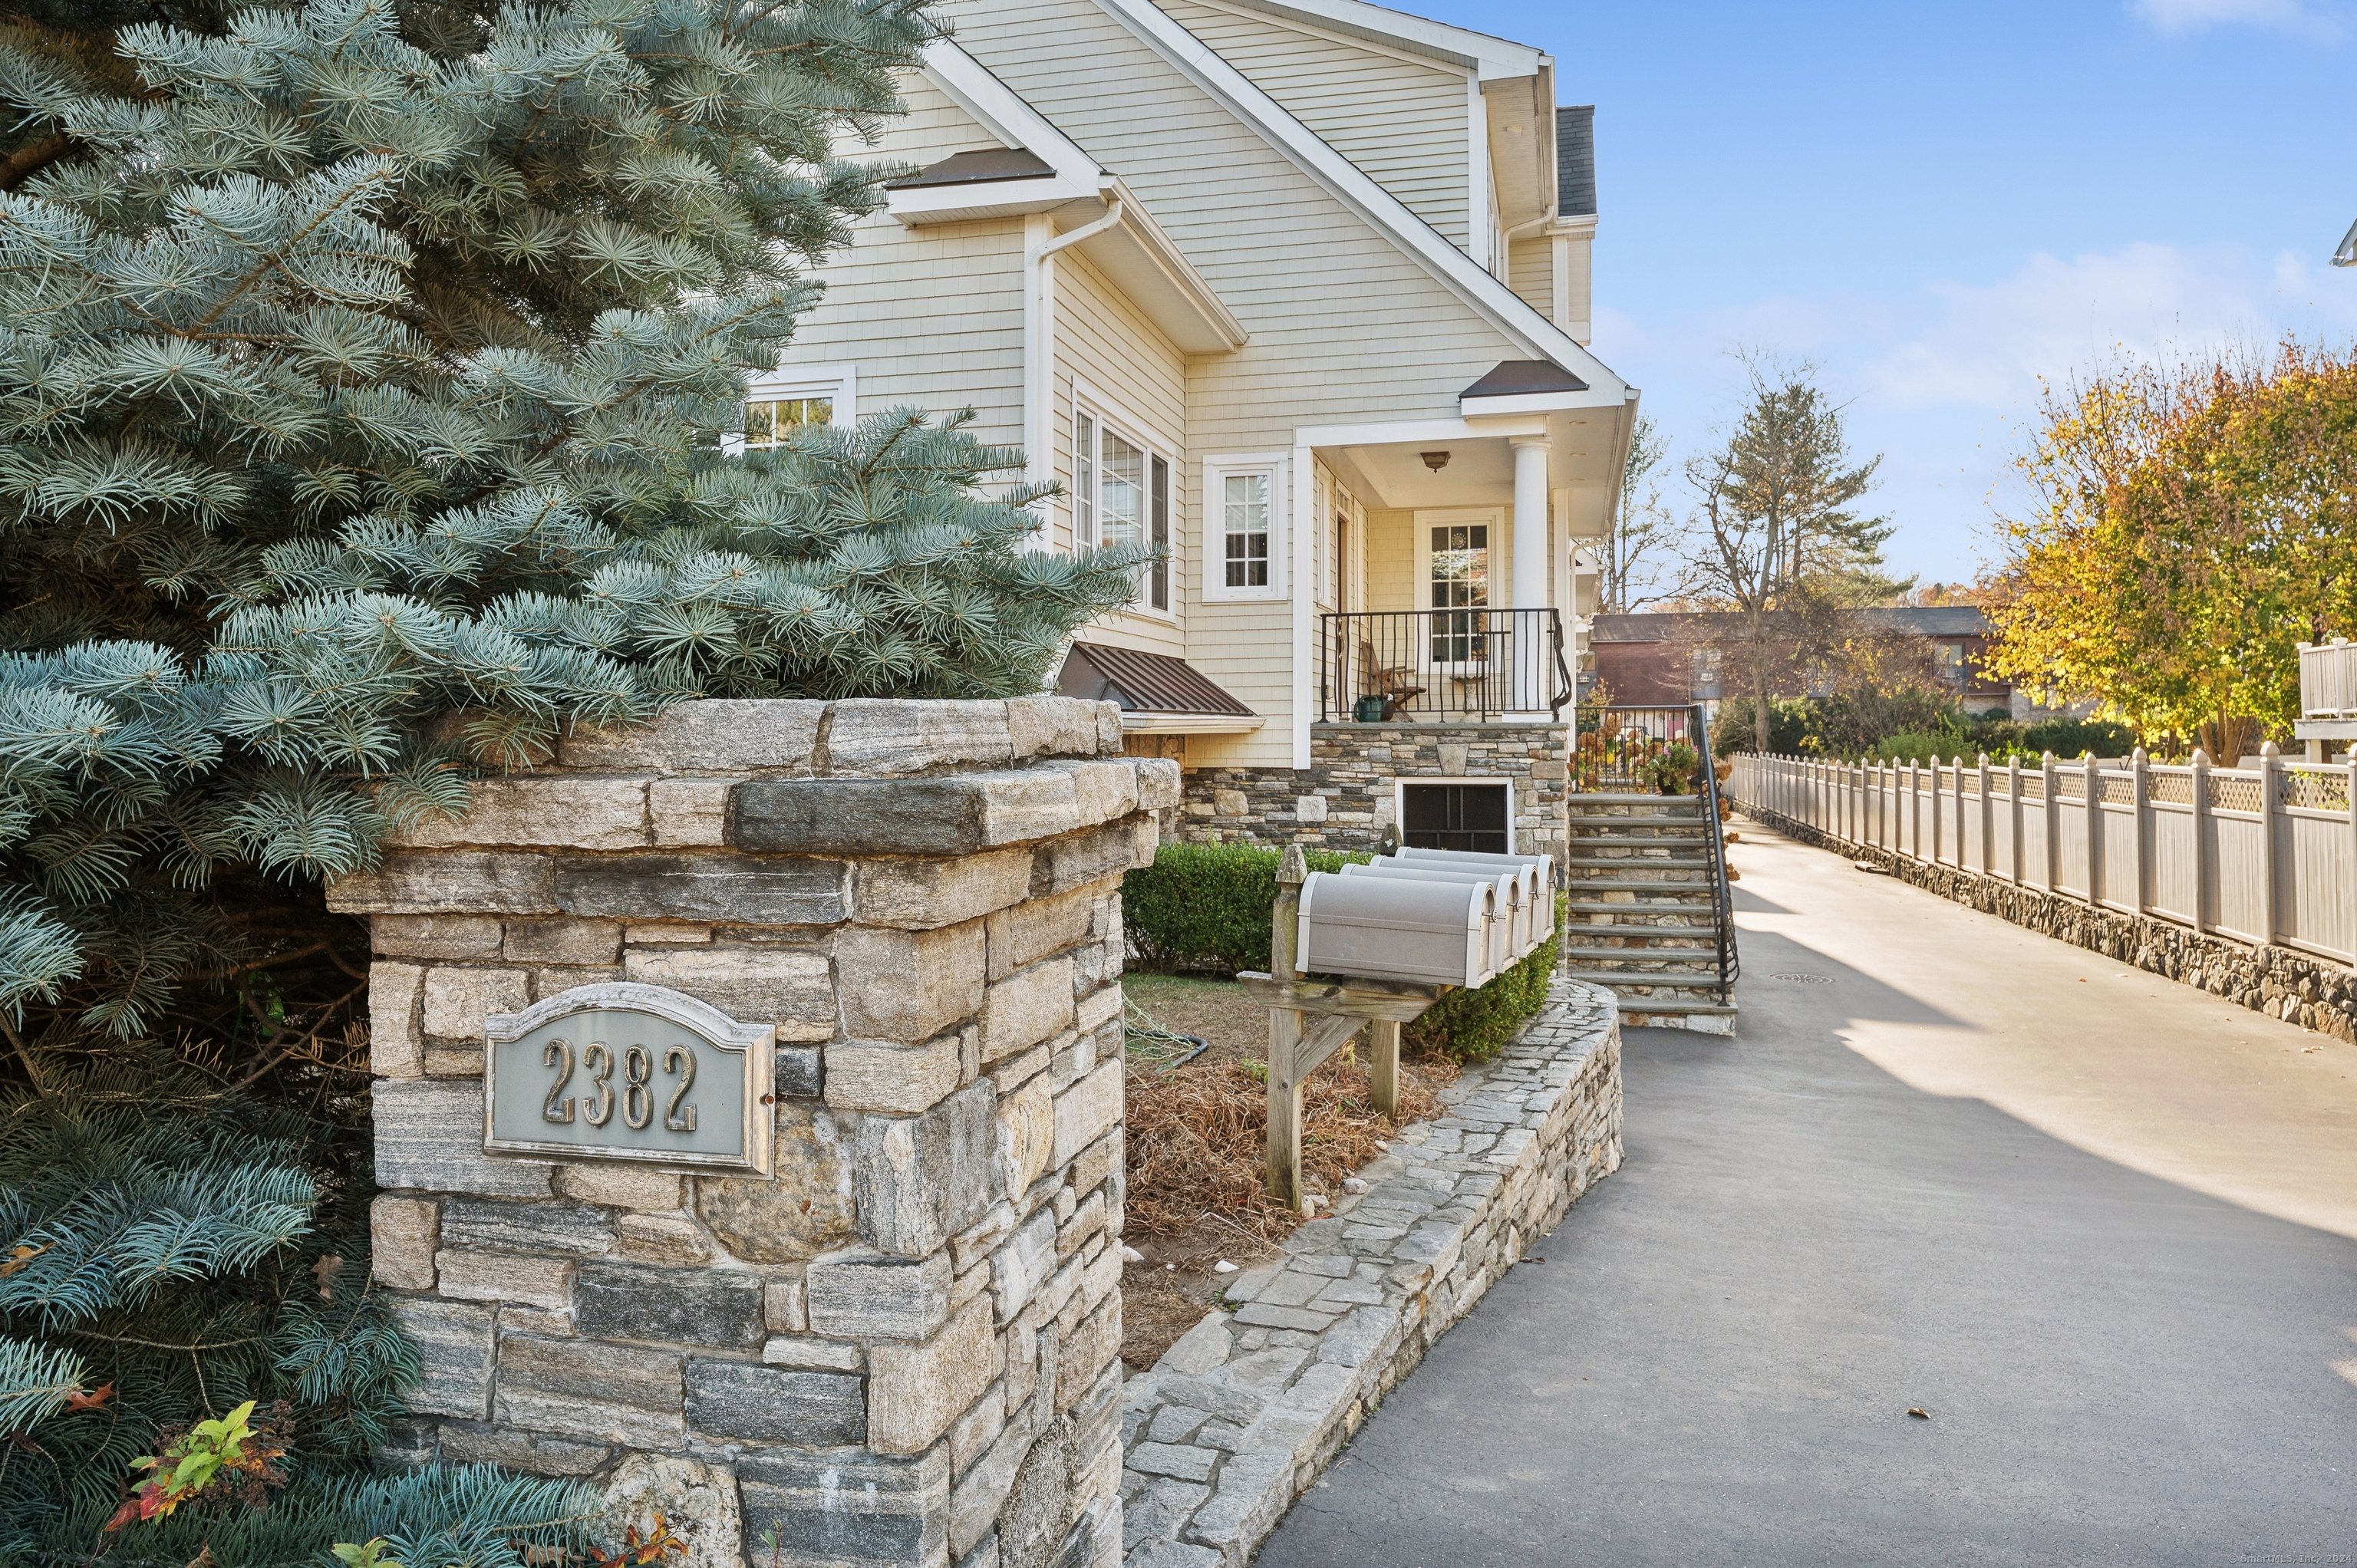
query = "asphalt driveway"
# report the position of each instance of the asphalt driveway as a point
(2103, 1230)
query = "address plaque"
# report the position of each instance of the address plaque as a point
(637, 1073)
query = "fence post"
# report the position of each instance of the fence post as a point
(2140, 793)
(2013, 812)
(2270, 771)
(1988, 821)
(1914, 808)
(2053, 823)
(2094, 787)
(2201, 856)
(1283, 1140)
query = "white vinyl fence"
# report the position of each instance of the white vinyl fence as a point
(2264, 854)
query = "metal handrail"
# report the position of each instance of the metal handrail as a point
(1722, 896)
(1443, 665)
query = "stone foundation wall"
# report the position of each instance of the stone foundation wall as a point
(2314, 993)
(1345, 799)
(903, 1349)
(1241, 1415)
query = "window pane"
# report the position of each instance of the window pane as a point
(1121, 489)
(1244, 502)
(1084, 479)
(1158, 583)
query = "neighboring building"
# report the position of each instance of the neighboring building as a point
(1675, 657)
(1301, 291)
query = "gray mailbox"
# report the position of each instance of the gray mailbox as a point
(1411, 856)
(1436, 932)
(1509, 923)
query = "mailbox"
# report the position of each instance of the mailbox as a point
(1434, 932)
(1410, 855)
(1510, 928)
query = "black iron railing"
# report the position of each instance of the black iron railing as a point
(1618, 748)
(1722, 896)
(1441, 665)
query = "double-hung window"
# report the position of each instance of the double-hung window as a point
(794, 397)
(1243, 527)
(1121, 496)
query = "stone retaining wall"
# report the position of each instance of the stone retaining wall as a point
(2315, 992)
(1345, 799)
(1240, 1416)
(902, 1349)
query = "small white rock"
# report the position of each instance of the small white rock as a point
(1353, 1186)
(1224, 1267)
(1170, 1268)
(1132, 1255)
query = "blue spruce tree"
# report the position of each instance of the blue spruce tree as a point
(365, 366)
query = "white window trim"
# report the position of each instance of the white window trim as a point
(1399, 801)
(838, 382)
(1216, 471)
(1494, 519)
(1089, 402)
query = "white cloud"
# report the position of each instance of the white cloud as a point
(1989, 345)
(2176, 16)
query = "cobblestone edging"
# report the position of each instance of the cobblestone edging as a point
(2281, 983)
(1240, 1415)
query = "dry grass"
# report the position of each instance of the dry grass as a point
(1197, 1139)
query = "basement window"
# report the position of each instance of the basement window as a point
(1477, 818)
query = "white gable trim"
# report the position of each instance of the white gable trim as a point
(1487, 56)
(1000, 110)
(1347, 183)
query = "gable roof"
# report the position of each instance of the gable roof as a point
(1485, 55)
(1575, 161)
(1487, 295)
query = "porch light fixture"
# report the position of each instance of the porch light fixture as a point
(1436, 461)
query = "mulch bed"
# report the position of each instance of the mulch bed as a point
(1195, 1139)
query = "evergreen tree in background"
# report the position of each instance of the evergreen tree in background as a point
(364, 367)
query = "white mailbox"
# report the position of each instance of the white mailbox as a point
(1509, 929)
(1409, 854)
(1387, 928)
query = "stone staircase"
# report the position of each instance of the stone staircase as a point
(1642, 918)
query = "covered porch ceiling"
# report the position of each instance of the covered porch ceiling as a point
(1385, 466)
(1469, 460)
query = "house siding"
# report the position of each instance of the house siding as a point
(1344, 327)
(1406, 123)
(1103, 340)
(931, 317)
(1530, 273)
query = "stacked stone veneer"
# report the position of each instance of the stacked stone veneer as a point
(2299, 988)
(1345, 799)
(904, 1348)
(1240, 1415)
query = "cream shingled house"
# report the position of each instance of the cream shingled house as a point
(1301, 291)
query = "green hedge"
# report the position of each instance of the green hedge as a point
(1205, 908)
(1471, 1025)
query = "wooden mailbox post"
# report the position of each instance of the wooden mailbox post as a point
(1298, 1047)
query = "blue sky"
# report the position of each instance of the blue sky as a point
(1940, 204)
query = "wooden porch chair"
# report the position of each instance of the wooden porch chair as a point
(1396, 684)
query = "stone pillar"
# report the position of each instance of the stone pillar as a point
(903, 1348)
(1533, 668)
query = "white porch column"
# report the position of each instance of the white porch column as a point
(1530, 583)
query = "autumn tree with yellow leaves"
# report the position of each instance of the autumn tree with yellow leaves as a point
(2191, 527)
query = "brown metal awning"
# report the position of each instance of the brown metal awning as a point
(1522, 377)
(1156, 691)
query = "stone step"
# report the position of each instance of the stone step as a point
(1618, 977)
(1647, 840)
(1644, 955)
(1649, 862)
(1700, 899)
(1665, 1006)
(1591, 797)
(1651, 933)
(1617, 885)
